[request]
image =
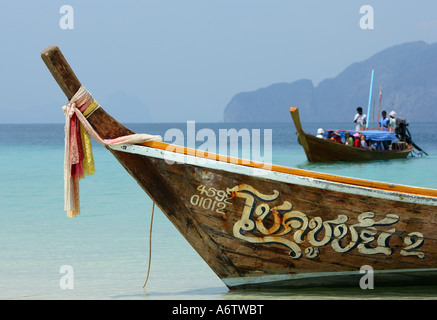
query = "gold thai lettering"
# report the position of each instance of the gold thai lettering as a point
(263, 223)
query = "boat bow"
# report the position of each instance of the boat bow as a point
(278, 226)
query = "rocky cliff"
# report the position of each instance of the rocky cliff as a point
(407, 74)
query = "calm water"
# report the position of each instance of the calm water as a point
(107, 245)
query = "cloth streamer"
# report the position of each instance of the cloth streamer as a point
(78, 156)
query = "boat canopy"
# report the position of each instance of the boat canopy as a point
(374, 135)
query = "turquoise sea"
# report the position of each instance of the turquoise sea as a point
(107, 246)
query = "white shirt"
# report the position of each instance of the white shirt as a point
(361, 121)
(392, 124)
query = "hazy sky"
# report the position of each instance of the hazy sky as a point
(185, 59)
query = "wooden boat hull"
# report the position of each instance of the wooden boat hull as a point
(322, 150)
(275, 229)
(258, 227)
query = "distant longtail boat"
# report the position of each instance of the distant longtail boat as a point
(326, 150)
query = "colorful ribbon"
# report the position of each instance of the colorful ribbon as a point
(78, 156)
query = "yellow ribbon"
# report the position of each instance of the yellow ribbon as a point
(88, 159)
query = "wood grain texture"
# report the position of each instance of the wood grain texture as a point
(61, 70)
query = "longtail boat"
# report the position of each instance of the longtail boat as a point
(272, 226)
(326, 150)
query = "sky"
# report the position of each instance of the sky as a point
(183, 60)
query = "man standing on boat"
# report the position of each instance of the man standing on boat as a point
(360, 119)
(383, 123)
(392, 121)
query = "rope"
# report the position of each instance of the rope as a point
(150, 245)
(78, 158)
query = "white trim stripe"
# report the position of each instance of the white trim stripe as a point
(276, 176)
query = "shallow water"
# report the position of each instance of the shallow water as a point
(107, 245)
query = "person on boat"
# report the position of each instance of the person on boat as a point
(379, 145)
(392, 121)
(360, 119)
(370, 145)
(349, 141)
(320, 133)
(383, 123)
(334, 136)
(357, 141)
(363, 142)
(337, 137)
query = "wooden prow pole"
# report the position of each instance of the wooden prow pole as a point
(300, 133)
(61, 70)
(296, 119)
(103, 123)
